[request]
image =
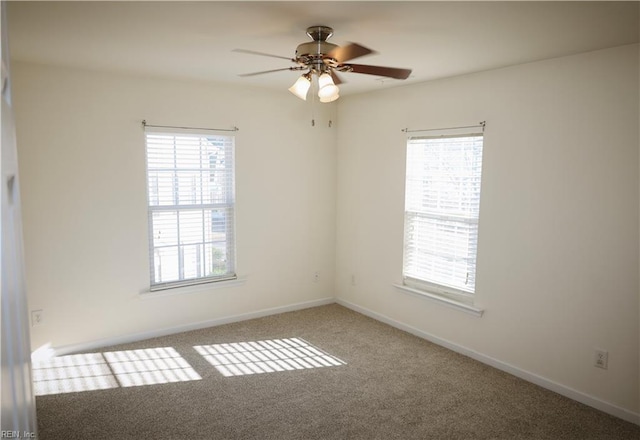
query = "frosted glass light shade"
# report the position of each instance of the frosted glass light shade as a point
(301, 87)
(325, 80)
(330, 98)
(328, 91)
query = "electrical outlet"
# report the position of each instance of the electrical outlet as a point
(316, 277)
(37, 317)
(353, 279)
(601, 359)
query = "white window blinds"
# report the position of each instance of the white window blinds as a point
(442, 202)
(191, 199)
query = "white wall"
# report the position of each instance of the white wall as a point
(558, 240)
(81, 155)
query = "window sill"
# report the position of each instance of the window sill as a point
(457, 305)
(194, 288)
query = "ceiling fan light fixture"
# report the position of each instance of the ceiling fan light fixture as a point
(324, 60)
(328, 91)
(301, 87)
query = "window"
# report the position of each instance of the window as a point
(442, 202)
(191, 199)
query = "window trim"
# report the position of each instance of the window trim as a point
(230, 278)
(448, 295)
(193, 288)
(439, 289)
(471, 309)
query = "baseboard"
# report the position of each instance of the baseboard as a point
(523, 374)
(97, 344)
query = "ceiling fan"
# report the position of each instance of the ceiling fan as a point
(324, 60)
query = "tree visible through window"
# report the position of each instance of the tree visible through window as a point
(442, 203)
(191, 207)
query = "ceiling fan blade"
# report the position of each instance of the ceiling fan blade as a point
(334, 76)
(274, 70)
(391, 72)
(349, 52)
(253, 52)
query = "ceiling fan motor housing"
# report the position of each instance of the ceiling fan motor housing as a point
(314, 49)
(313, 53)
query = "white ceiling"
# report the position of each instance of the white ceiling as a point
(194, 40)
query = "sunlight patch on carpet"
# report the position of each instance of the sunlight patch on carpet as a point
(68, 374)
(150, 366)
(268, 356)
(99, 371)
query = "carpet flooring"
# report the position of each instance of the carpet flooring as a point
(321, 373)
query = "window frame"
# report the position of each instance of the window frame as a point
(424, 285)
(228, 206)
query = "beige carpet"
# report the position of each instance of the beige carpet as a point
(321, 373)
